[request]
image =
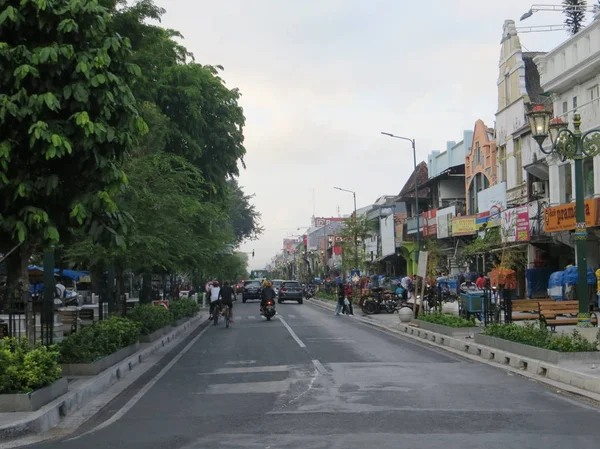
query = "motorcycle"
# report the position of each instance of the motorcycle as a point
(269, 310)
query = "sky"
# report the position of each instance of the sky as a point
(320, 79)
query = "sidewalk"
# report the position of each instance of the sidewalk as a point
(84, 390)
(578, 378)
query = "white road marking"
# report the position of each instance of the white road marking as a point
(291, 316)
(277, 386)
(320, 367)
(118, 415)
(292, 333)
(249, 369)
(251, 317)
(238, 318)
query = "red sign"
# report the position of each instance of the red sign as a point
(429, 223)
(321, 221)
(305, 240)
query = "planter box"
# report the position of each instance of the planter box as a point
(447, 330)
(181, 321)
(154, 335)
(91, 369)
(532, 352)
(30, 402)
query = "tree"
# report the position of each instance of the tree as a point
(574, 11)
(67, 117)
(360, 228)
(242, 214)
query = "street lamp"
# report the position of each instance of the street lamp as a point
(412, 141)
(573, 145)
(557, 8)
(355, 231)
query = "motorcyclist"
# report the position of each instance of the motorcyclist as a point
(267, 294)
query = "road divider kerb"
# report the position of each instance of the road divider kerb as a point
(51, 414)
(554, 375)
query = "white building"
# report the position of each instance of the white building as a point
(571, 74)
(518, 86)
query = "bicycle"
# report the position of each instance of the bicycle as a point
(227, 316)
(216, 313)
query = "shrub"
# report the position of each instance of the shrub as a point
(540, 337)
(151, 318)
(325, 295)
(25, 367)
(99, 340)
(447, 320)
(181, 308)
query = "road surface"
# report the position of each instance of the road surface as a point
(315, 380)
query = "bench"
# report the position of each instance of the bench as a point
(550, 312)
(69, 318)
(529, 309)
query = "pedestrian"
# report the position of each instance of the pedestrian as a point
(481, 282)
(340, 294)
(348, 299)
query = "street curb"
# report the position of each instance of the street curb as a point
(556, 376)
(51, 414)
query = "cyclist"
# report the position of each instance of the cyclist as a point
(226, 296)
(215, 303)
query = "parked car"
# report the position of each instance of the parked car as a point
(290, 290)
(251, 290)
(277, 284)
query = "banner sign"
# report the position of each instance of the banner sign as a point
(515, 224)
(562, 218)
(429, 223)
(464, 225)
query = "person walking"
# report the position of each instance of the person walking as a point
(348, 299)
(340, 294)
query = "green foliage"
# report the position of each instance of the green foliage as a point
(540, 337)
(151, 318)
(25, 367)
(325, 295)
(574, 18)
(360, 228)
(447, 320)
(92, 343)
(67, 114)
(182, 308)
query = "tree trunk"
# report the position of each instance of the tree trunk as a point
(146, 288)
(121, 303)
(97, 275)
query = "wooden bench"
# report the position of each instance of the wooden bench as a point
(69, 318)
(529, 309)
(550, 312)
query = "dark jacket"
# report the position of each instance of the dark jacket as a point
(266, 294)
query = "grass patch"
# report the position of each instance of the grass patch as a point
(540, 337)
(447, 320)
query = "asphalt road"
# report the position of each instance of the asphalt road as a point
(335, 383)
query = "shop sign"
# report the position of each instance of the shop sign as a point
(464, 225)
(429, 223)
(444, 226)
(562, 218)
(515, 224)
(399, 220)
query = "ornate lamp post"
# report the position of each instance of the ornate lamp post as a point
(573, 145)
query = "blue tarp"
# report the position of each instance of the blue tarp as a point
(557, 282)
(71, 274)
(571, 276)
(537, 280)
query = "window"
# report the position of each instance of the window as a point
(588, 177)
(565, 107)
(506, 90)
(566, 186)
(518, 162)
(595, 93)
(575, 102)
(502, 158)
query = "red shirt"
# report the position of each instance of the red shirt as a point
(480, 282)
